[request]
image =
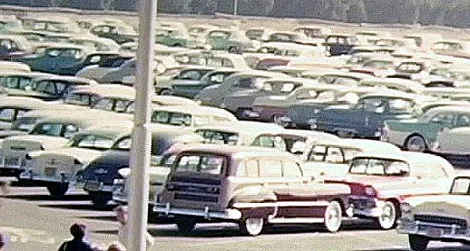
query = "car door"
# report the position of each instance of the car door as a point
(272, 180)
(367, 120)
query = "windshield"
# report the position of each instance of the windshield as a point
(171, 118)
(461, 186)
(91, 141)
(210, 164)
(380, 167)
(218, 137)
(25, 124)
(16, 82)
(83, 99)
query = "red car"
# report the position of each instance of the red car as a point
(380, 182)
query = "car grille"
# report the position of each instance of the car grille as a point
(461, 223)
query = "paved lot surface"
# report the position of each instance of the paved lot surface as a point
(35, 221)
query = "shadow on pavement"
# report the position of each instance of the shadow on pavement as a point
(44, 197)
(103, 218)
(441, 248)
(114, 232)
(87, 207)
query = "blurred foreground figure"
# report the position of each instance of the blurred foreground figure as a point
(77, 243)
(4, 187)
(123, 232)
(116, 247)
(2, 241)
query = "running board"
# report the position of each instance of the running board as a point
(296, 220)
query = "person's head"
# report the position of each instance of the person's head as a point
(78, 231)
(121, 214)
(116, 247)
(2, 241)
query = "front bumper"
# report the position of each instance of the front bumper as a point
(366, 207)
(432, 230)
(167, 210)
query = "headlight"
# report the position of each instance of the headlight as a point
(370, 191)
(405, 207)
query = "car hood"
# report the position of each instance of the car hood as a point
(47, 142)
(105, 167)
(447, 204)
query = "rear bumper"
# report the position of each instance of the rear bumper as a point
(167, 209)
(35, 178)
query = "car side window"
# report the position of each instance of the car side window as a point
(70, 130)
(104, 104)
(7, 114)
(241, 170)
(334, 155)
(121, 105)
(463, 120)
(443, 118)
(252, 169)
(48, 129)
(372, 105)
(291, 169)
(124, 144)
(270, 168)
(317, 154)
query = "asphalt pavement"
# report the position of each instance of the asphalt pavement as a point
(32, 220)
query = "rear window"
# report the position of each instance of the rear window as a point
(210, 164)
(380, 167)
(171, 118)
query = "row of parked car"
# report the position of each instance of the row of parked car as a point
(303, 126)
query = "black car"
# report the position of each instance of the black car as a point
(98, 176)
(91, 59)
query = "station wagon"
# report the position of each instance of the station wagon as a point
(249, 186)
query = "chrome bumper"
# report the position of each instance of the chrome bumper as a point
(167, 209)
(369, 208)
(30, 176)
(432, 230)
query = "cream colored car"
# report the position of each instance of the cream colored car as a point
(442, 217)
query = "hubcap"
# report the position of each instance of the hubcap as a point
(387, 217)
(416, 144)
(254, 225)
(333, 217)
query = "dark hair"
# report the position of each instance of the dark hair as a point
(78, 231)
(2, 241)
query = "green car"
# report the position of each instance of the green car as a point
(177, 38)
(421, 134)
(54, 58)
(229, 40)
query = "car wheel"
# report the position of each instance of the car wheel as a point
(185, 225)
(388, 216)
(233, 49)
(252, 226)
(57, 189)
(99, 200)
(166, 92)
(418, 242)
(416, 143)
(333, 217)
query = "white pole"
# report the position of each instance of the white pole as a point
(141, 138)
(235, 7)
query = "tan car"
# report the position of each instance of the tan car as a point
(250, 186)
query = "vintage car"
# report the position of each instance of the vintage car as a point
(381, 181)
(241, 81)
(47, 133)
(15, 83)
(271, 108)
(178, 38)
(96, 71)
(55, 168)
(420, 134)
(366, 118)
(50, 24)
(330, 158)
(233, 41)
(119, 33)
(189, 75)
(108, 97)
(13, 107)
(342, 78)
(241, 185)
(241, 103)
(189, 117)
(95, 58)
(440, 217)
(53, 87)
(97, 178)
(14, 66)
(380, 66)
(452, 144)
(313, 31)
(54, 57)
(311, 101)
(14, 46)
(340, 44)
(99, 44)
(193, 88)
(447, 92)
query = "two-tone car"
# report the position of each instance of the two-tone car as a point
(421, 134)
(441, 217)
(251, 186)
(56, 168)
(11, 108)
(381, 181)
(330, 158)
